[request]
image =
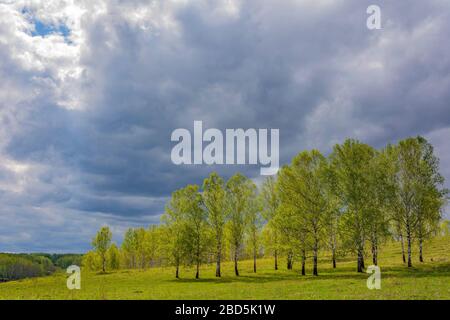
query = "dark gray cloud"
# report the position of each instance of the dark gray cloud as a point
(86, 117)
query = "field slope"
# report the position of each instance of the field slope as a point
(428, 280)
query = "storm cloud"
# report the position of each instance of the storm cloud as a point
(91, 92)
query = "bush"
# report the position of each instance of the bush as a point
(92, 261)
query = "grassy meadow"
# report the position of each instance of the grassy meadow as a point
(428, 280)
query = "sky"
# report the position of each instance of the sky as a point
(91, 91)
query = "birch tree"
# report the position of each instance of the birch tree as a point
(349, 163)
(271, 239)
(130, 248)
(408, 176)
(270, 202)
(101, 244)
(254, 227)
(304, 187)
(419, 193)
(380, 189)
(292, 232)
(215, 203)
(174, 231)
(431, 197)
(113, 255)
(152, 244)
(195, 225)
(239, 192)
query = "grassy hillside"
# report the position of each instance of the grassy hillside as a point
(428, 280)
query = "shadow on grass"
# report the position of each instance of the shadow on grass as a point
(265, 278)
(418, 271)
(347, 273)
(101, 273)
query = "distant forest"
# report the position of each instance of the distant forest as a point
(18, 266)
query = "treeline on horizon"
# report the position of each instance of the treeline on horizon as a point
(351, 202)
(14, 266)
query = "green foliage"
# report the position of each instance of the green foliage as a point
(91, 261)
(64, 261)
(195, 233)
(153, 246)
(270, 202)
(101, 244)
(214, 200)
(18, 266)
(419, 196)
(351, 171)
(255, 222)
(271, 239)
(176, 237)
(241, 193)
(130, 248)
(113, 257)
(303, 189)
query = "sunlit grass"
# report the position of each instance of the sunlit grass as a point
(428, 280)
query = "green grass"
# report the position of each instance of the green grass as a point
(428, 280)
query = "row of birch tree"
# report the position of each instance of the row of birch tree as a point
(350, 202)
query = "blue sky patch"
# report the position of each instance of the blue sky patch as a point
(42, 29)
